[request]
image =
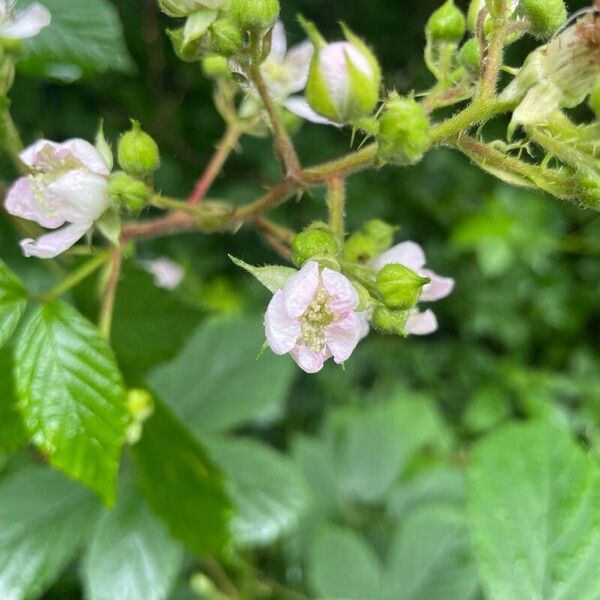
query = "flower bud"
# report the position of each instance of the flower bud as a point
(389, 322)
(311, 243)
(404, 133)
(381, 233)
(128, 193)
(255, 15)
(446, 24)
(470, 55)
(214, 67)
(137, 152)
(344, 78)
(360, 248)
(399, 286)
(225, 37)
(545, 16)
(140, 405)
(184, 8)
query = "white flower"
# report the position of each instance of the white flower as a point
(167, 274)
(68, 185)
(24, 24)
(411, 255)
(313, 317)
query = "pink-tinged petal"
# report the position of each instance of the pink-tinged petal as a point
(299, 106)
(438, 288)
(343, 295)
(27, 23)
(31, 155)
(26, 202)
(282, 331)
(342, 337)
(421, 323)
(409, 254)
(167, 274)
(87, 155)
(299, 289)
(308, 360)
(53, 244)
(278, 43)
(297, 64)
(83, 195)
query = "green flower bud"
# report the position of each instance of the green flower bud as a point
(137, 152)
(311, 243)
(214, 67)
(255, 15)
(446, 24)
(344, 78)
(360, 248)
(225, 37)
(184, 8)
(404, 132)
(128, 193)
(470, 55)
(545, 16)
(389, 322)
(381, 233)
(140, 404)
(399, 286)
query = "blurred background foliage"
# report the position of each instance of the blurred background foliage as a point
(368, 480)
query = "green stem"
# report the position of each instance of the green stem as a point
(74, 278)
(12, 141)
(107, 306)
(336, 204)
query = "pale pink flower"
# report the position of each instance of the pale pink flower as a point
(411, 255)
(167, 274)
(23, 24)
(313, 317)
(68, 185)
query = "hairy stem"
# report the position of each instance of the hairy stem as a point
(336, 204)
(107, 306)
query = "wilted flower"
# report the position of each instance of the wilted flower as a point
(559, 74)
(167, 274)
(24, 24)
(68, 184)
(313, 317)
(411, 255)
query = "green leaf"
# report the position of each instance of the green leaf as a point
(181, 483)
(430, 557)
(71, 396)
(12, 431)
(83, 40)
(44, 519)
(534, 507)
(272, 277)
(342, 565)
(131, 555)
(217, 382)
(13, 299)
(268, 491)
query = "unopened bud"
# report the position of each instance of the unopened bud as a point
(344, 79)
(545, 16)
(399, 286)
(311, 243)
(404, 131)
(140, 405)
(381, 233)
(360, 248)
(470, 55)
(137, 152)
(255, 15)
(446, 24)
(389, 322)
(128, 193)
(184, 8)
(214, 67)
(225, 37)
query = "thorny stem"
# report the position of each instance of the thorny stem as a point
(283, 144)
(336, 204)
(213, 169)
(107, 306)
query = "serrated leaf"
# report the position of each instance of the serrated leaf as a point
(267, 489)
(83, 40)
(430, 557)
(44, 519)
(12, 431)
(13, 299)
(534, 508)
(131, 555)
(272, 277)
(71, 396)
(229, 385)
(182, 484)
